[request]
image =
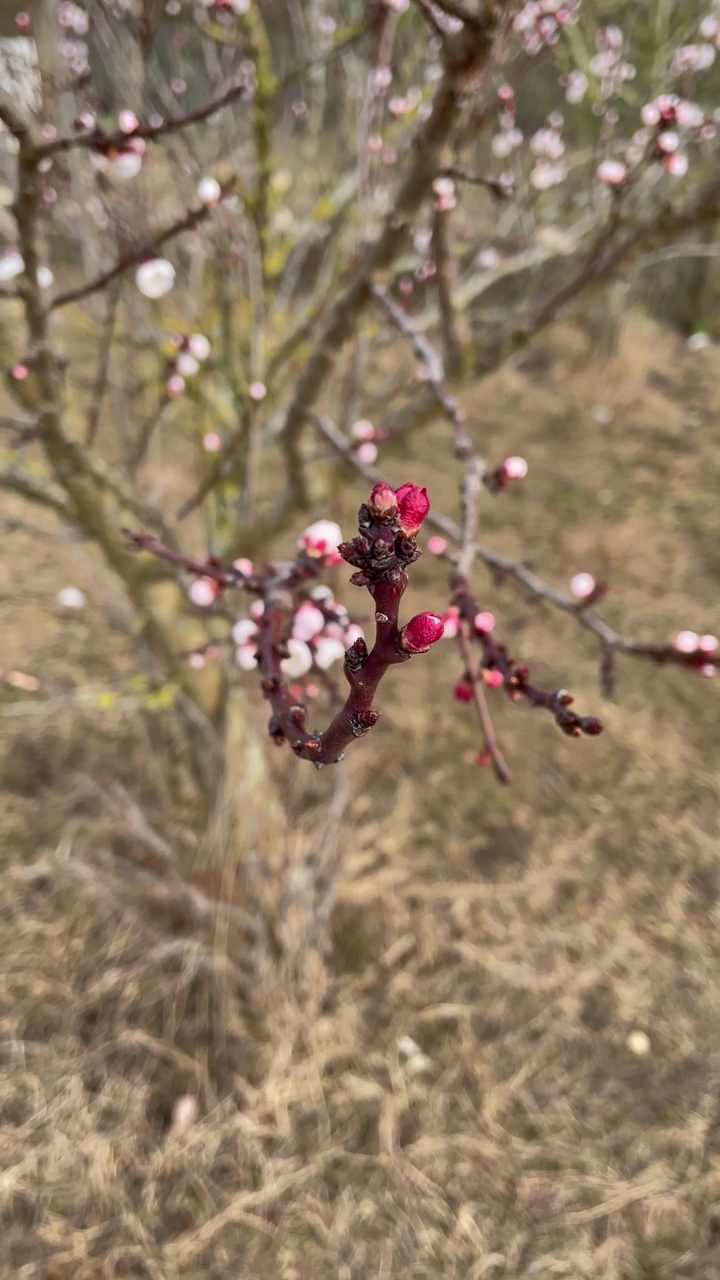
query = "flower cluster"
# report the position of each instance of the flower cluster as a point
(702, 652)
(122, 159)
(540, 22)
(363, 437)
(608, 65)
(508, 136)
(549, 168)
(321, 633)
(188, 354)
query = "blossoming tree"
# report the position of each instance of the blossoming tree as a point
(251, 207)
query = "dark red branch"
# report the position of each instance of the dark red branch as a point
(515, 677)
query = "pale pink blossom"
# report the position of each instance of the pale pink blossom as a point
(244, 630)
(127, 121)
(515, 468)
(686, 642)
(299, 660)
(256, 610)
(209, 191)
(11, 265)
(353, 633)
(367, 453)
(613, 173)
(186, 364)
(451, 623)
(308, 622)
(437, 545)
(245, 657)
(196, 661)
(708, 644)
(175, 385)
(199, 346)
(244, 566)
(582, 585)
(444, 195)
(212, 442)
(484, 622)
(155, 278)
(676, 165)
(327, 651)
(321, 539)
(362, 430)
(203, 592)
(124, 166)
(257, 391)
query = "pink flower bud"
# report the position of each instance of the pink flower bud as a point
(212, 442)
(243, 631)
(437, 546)
(514, 468)
(422, 631)
(257, 391)
(321, 540)
(244, 566)
(414, 506)
(128, 121)
(362, 430)
(582, 586)
(367, 453)
(493, 679)
(203, 592)
(175, 385)
(308, 622)
(484, 622)
(382, 500)
(686, 642)
(299, 659)
(613, 173)
(463, 691)
(451, 623)
(708, 644)
(209, 191)
(245, 657)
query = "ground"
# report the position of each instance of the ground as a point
(507, 1064)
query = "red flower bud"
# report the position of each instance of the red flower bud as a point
(382, 500)
(420, 632)
(414, 505)
(463, 691)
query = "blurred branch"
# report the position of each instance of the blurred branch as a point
(134, 258)
(100, 386)
(42, 492)
(150, 133)
(470, 58)
(491, 748)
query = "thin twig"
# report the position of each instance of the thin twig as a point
(96, 139)
(188, 222)
(101, 380)
(502, 770)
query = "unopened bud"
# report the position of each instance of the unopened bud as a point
(382, 500)
(422, 631)
(414, 506)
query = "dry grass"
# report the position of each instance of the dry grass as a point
(517, 937)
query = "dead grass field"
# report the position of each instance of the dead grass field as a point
(517, 936)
